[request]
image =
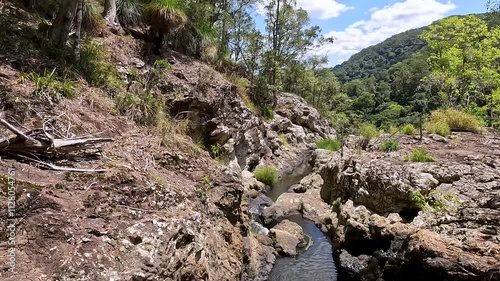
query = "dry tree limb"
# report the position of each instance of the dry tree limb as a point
(39, 142)
(19, 133)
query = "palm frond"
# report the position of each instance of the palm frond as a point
(129, 12)
(92, 19)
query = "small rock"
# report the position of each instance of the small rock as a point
(135, 239)
(362, 267)
(298, 188)
(252, 193)
(438, 138)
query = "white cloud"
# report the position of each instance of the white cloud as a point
(321, 9)
(384, 23)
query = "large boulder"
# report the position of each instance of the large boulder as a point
(299, 113)
(287, 236)
(375, 183)
(363, 267)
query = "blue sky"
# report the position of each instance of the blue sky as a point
(357, 24)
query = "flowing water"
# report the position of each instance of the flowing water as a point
(314, 263)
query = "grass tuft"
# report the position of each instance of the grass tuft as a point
(419, 200)
(409, 130)
(144, 109)
(419, 155)
(456, 120)
(439, 127)
(96, 68)
(390, 145)
(328, 144)
(284, 139)
(267, 112)
(242, 85)
(266, 175)
(49, 86)
(368, 131)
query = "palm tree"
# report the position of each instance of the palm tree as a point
(164, 16)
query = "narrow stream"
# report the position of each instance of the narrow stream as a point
(315, 263)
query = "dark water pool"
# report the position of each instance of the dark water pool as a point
(288, 179)
(314, 264)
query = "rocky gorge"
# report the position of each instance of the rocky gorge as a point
(186, 206)
(368, 203)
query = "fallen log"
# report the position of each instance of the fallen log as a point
(33, 145)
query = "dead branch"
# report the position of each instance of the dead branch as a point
(37, 144)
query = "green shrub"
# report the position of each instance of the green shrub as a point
(457, 120)
(409, 129)
(328, 144)
(389, 145)
(393, 130)
(267, 112)
(439, 127)
(267, 175)
(368, 131)
(419, 200)
(419, 155)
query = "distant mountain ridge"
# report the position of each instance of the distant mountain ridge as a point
(376, 59)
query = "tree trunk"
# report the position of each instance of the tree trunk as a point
(110, 11)
(79, 18)
(111, 17)
(420, 125)
(62, 23)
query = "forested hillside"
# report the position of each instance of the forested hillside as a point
(452, 63)
(376, 59)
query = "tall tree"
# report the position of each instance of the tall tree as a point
(78, 32)
(465, 58)
(493, 5)
(289, 37)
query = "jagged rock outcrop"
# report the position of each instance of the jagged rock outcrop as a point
(436, 220)
(219, 117)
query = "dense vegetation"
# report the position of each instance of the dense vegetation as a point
(458, 68)
(452, 64)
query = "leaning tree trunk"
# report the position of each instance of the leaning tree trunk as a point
(62, 23)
